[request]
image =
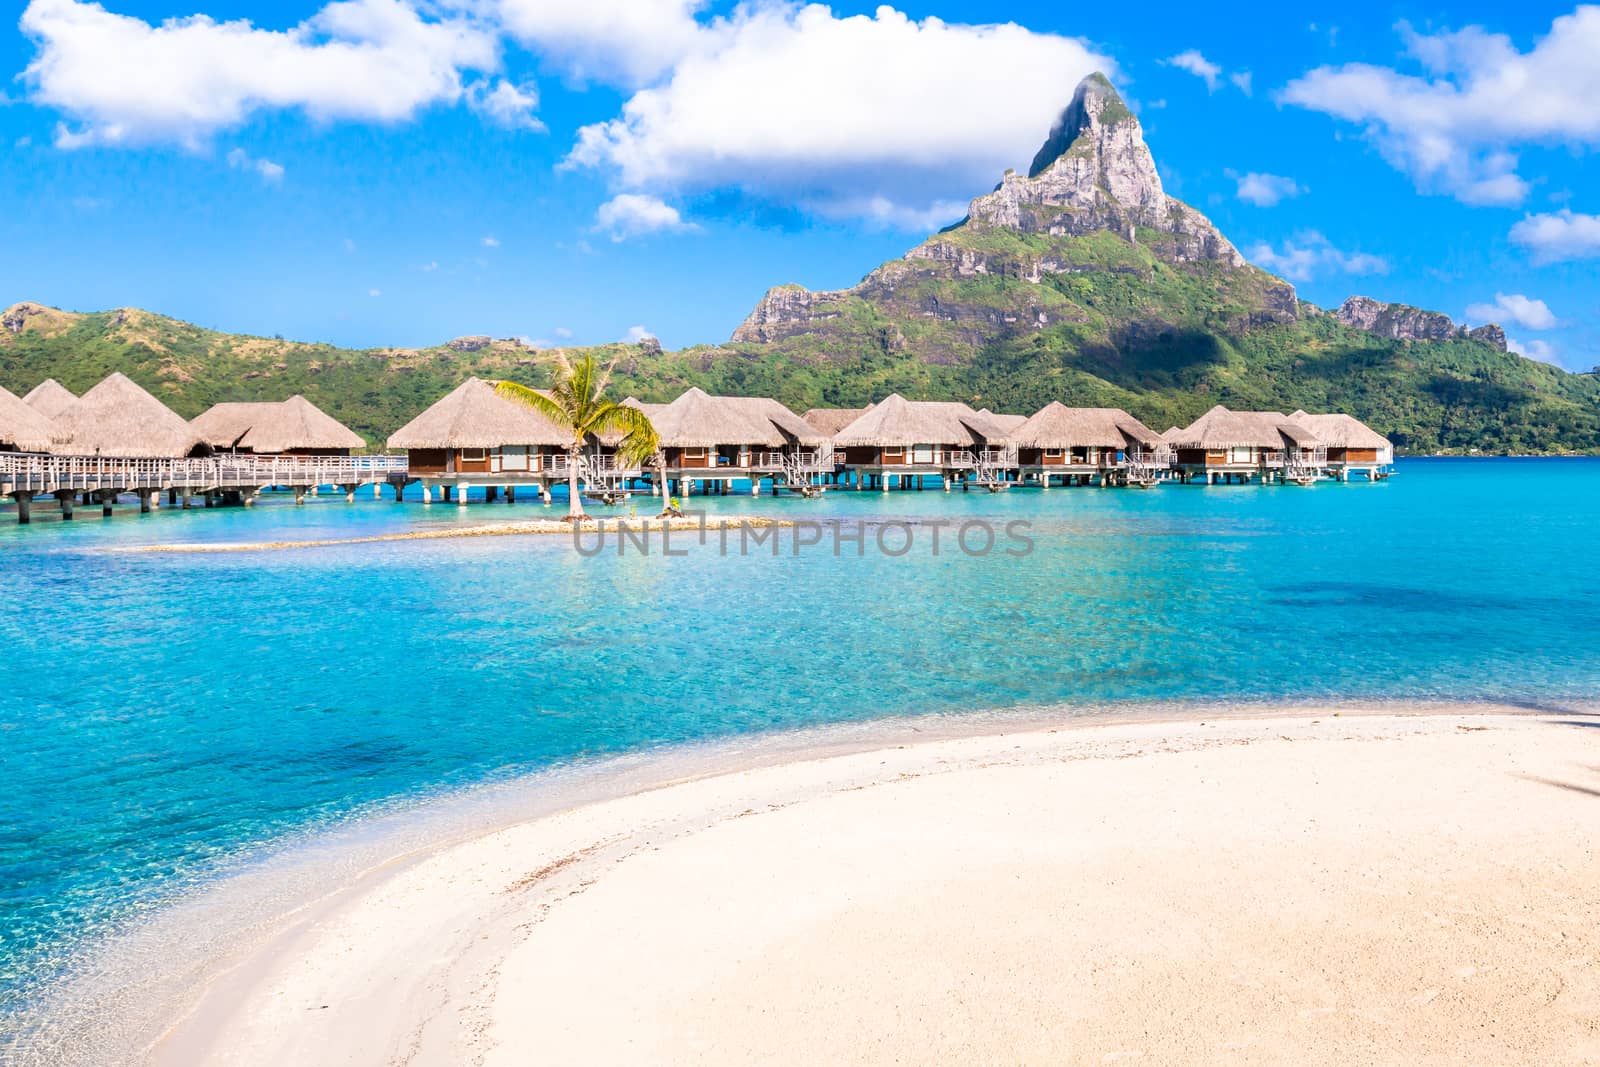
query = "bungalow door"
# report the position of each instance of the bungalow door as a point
(922, 454)
(1241, 454)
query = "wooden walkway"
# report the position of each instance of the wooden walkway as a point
(25, 476)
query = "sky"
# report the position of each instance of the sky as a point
(401, 172)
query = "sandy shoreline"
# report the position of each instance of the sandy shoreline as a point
(590, 529)
(1366, 887)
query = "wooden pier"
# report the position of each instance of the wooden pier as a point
(236, 478)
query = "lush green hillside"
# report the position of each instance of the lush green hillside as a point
(1455, 395)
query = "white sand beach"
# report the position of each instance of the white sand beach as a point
(1310, 889)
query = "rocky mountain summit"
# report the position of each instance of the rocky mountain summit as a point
(1401, 322)
(1087, 241)
(1091, 203)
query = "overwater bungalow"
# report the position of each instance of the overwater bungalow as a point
(1078, 446)
(1227, 446)
(293, 427)
(50, 398)
(1353, 446)
(22, 428)
(904, 441)
(119, 418)
(475, 436)
(717, 440)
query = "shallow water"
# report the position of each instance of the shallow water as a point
(167, 714)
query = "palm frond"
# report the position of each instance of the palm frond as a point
(640, 441)
(548, 405)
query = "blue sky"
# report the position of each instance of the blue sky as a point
(401, 172)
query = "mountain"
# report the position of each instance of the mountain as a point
(1081, 281)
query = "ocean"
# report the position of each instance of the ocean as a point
(167, 719)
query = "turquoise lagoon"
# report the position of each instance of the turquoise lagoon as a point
(167, 718)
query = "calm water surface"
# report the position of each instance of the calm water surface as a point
(164, 713)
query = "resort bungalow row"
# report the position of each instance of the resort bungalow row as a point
(1107, 446)
(1228, 446)
(900, 442)
(715, 440)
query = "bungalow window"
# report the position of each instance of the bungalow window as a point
(922, 453)
(1241, 454)
(1054, 453)
(474, 455)
(694, 457)
(514, 457)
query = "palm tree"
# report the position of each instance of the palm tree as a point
(576, 402)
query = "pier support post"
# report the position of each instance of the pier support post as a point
(755, 486)
(491, 494)
(427, 493)
(461, 494)
(145, 502)
(377, 490)
(108, 497)
(67, 498)
(24, 507)
(299, 494)
(544, 494)
(511, 494)
(399, 491)
(350, 493)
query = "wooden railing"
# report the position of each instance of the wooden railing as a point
(27, 472)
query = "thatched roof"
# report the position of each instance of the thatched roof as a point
(118, 418)
(898, 421)
(22, 428)
(50, 398)
(1057, 426)
(475, 416)
(1221, 428)
(831, 420)
(698, 420)
(273, 427)
(1008, 423)
(1342, 431)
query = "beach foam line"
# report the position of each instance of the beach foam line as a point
(591, 527)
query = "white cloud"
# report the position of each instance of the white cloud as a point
(629, 43)
(349, 245)
(505, 104)
(239, 159)
(1453, 128)
(125, 81)
(1543, 351)
(792, 105)
(632, 214)
(1516, 310)
(1198, 65)
(430, 267)
(1563, 235)
(374, 292)
(1244, 81)
(636, 335)
(491, 241)
(1309, 255)
(563, 333)
(1265, 190)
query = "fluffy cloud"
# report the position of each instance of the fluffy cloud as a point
(1514, 309)
(1198, 65)
(270, 172)
(1543, 351)
(878, 115)
(125, 81)
(1310, 255)
(1244, 81)
(1265, 190)
(505, 104)
(637, 335)
(490, 241)
(618, 42)
(1453, 126)
(632, 214)
(1564, 235)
